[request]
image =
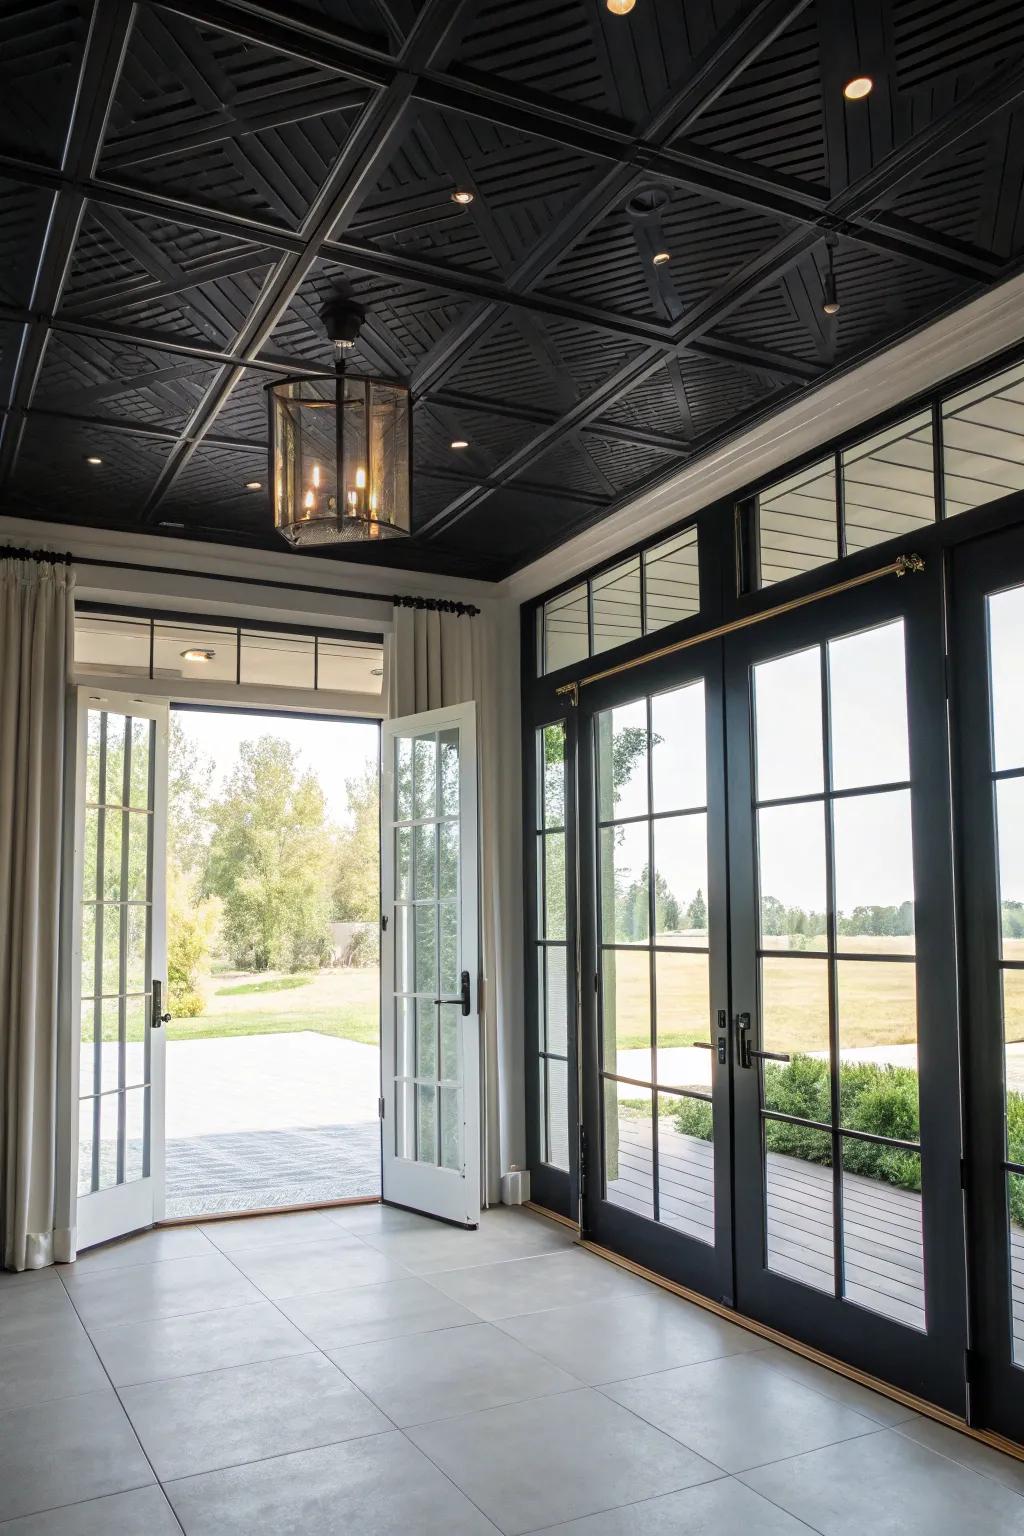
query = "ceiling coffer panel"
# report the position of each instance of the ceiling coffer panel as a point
(634, 267)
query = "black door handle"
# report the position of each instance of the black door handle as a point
(743, 1049)
(768, 1055)
(463, 998)
(157, 1016)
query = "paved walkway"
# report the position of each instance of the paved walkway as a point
(261, 1120)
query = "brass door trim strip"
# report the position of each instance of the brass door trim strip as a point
(903, 565)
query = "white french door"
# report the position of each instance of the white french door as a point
(119, 962)
(430, 1048)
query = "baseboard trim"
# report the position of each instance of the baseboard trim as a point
(927, 1410)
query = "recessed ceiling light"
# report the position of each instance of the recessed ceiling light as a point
(660, 257)
(254, 485)
(857, 88)
(194, 653)
(459, 442)
(462, 195)
(620, 7)
(91, 458)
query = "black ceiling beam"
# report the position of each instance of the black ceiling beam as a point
(685, 164)
(384, 121)
(143, 428)
(105, 45)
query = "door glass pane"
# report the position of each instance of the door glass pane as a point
(1010, 836)
(794, 1022)
(798, 1195)
(679, 762)
(86, 1113)
(424, 863)
(681, 880)
(554, 885)
(686, 1166)
(450, 1100)
(791, 865)
(1006, 646)
(1015, 1206)
(868, 708)
(877, 1005)
(553, 776)
(628, 1147)
(426, 1038)
(556, 995)
(426, 1124)
(625, 901)
(684, 1017)
(108, 1141)
(1013, 1038)
(787, 706)
(558, 1114)
(110, 1021)
(134, 1134)
(874, 877)
(448, 772)
(883, 1244)
(424, 777)
(626, 1013)
(622, 761)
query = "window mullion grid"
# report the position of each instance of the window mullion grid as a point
(832, 945)
(147, 980)
(938, 463)
(436, 838)
(541, 845)
(97, 1027)
(651, 967)
(122, 970)
(840, 506)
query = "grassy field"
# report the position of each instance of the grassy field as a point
(877, 1003)
(341, 1002)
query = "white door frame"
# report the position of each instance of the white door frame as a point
(121, 1208)
(454, 1195)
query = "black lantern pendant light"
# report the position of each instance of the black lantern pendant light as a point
(340, 465)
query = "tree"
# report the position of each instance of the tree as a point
(191, 932)
(356, 892)
(189, 780)
(697, 916)
(270, 861)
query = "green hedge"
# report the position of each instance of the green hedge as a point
(879, 1099)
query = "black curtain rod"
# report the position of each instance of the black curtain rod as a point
(42, 556)
(442, 605)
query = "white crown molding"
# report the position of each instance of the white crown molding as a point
(970, 334)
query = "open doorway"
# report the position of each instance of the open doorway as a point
(273, 902)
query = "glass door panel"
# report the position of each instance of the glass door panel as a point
(847, 1217)
(656, 1177)
(120, 942)
(988, 592)
(430, 1054)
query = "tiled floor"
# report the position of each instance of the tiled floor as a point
(364, 1370)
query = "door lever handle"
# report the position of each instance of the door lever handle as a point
(743, 1050)
(768, 1055)
(462, 1001)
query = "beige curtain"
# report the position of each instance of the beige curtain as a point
(435, 659)
(36, 626)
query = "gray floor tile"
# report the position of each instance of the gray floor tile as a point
(144, 1248)
(43, 1355)
(373, 1216)
(969, 1453)
(437, 1375)
(222, 1418)
(14, 1281)
(884, 1410)
(335, 1319)
(604, 1341)
(738, 1411)
(262, 1231)
(554, 1459)
(724, 1508)
(162, 1347)
(168, 1289)
(143, 1512)
(502, 1234)
(32, 1295)
(333, 1263)
(376, 1487)
(888, 1484)
(76, 1448)
(517, 1286)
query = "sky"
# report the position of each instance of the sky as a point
(334, 750)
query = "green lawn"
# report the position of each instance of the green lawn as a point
(340, 1001)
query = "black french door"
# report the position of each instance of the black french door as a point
(988, 699)
(656, 1167)
(771, 1091)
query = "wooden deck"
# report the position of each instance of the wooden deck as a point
(881, 1224)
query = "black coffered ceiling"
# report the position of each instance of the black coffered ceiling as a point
(182, 184)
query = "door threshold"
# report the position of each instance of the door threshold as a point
(266, 1210)
(927, 1410)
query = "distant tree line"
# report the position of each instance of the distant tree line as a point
(877, 921)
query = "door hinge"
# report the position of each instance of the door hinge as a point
(380, 1109)
(583, 1161)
